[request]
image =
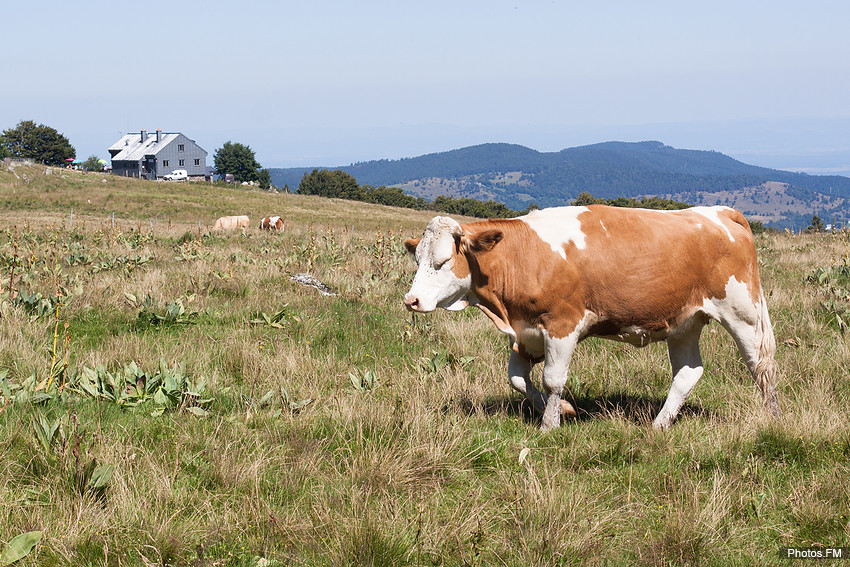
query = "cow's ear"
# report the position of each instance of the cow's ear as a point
(411, 244)
(459, 237)
(484, 241)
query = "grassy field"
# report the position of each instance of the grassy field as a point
(170, 397)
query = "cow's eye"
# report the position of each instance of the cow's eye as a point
(439, 264)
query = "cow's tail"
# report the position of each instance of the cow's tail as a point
(765, 370)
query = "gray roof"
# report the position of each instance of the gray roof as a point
(131, 148)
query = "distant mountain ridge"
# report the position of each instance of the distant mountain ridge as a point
(517, 176)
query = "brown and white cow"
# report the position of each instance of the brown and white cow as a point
(554, 277)
(232, 223)
(272, 223)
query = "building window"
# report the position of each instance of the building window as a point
(180, 147)
(182, 162)
(165, 163)
(197, 162)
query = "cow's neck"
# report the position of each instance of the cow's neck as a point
(491, 288)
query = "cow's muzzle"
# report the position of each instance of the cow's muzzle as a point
(411, 302)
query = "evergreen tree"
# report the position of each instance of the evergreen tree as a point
(264, 179)
(816, 225)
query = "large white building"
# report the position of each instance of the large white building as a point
(151, 156)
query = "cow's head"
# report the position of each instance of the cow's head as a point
(443, 278)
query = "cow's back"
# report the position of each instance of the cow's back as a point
(272, 223)
(222, 223)
(648, 267)
(632, 267)
(231, 222)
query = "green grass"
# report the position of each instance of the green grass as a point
(422, 468)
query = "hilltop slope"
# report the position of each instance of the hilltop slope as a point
(516, 176)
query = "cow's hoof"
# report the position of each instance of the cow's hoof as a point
(567, 409)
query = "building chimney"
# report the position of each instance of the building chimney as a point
(158, 135)
(144, 135)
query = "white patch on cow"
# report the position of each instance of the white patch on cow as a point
(558, 227)
(461, 303)
(605, 228)
(737, 304)
(435, 284)
(713, 214)
(587, 320)
(530, 337)
(738, 314)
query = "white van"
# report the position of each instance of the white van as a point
(176, 175)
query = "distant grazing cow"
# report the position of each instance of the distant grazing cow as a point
(554, 277)
(272, 223)
(232, 223)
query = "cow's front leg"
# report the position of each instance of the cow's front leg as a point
(519, 374)
(559, 351)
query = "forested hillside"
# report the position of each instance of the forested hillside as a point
(517, 176)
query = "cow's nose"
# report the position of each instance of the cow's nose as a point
(411, 302)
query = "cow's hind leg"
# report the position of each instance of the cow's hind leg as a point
(753, 334)
(686, 361)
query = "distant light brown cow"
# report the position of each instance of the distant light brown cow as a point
(554, 277)
(272, 223)
(232, 223)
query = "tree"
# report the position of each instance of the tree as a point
(756, 226)
(336, 184)
(393, 196)
(264, 179)
(92, 163)
(37, 142)
(237, 159)
(657, 203)
(339, 184)
(585, 198)
(816, 225)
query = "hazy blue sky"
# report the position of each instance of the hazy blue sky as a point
(330, 83)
